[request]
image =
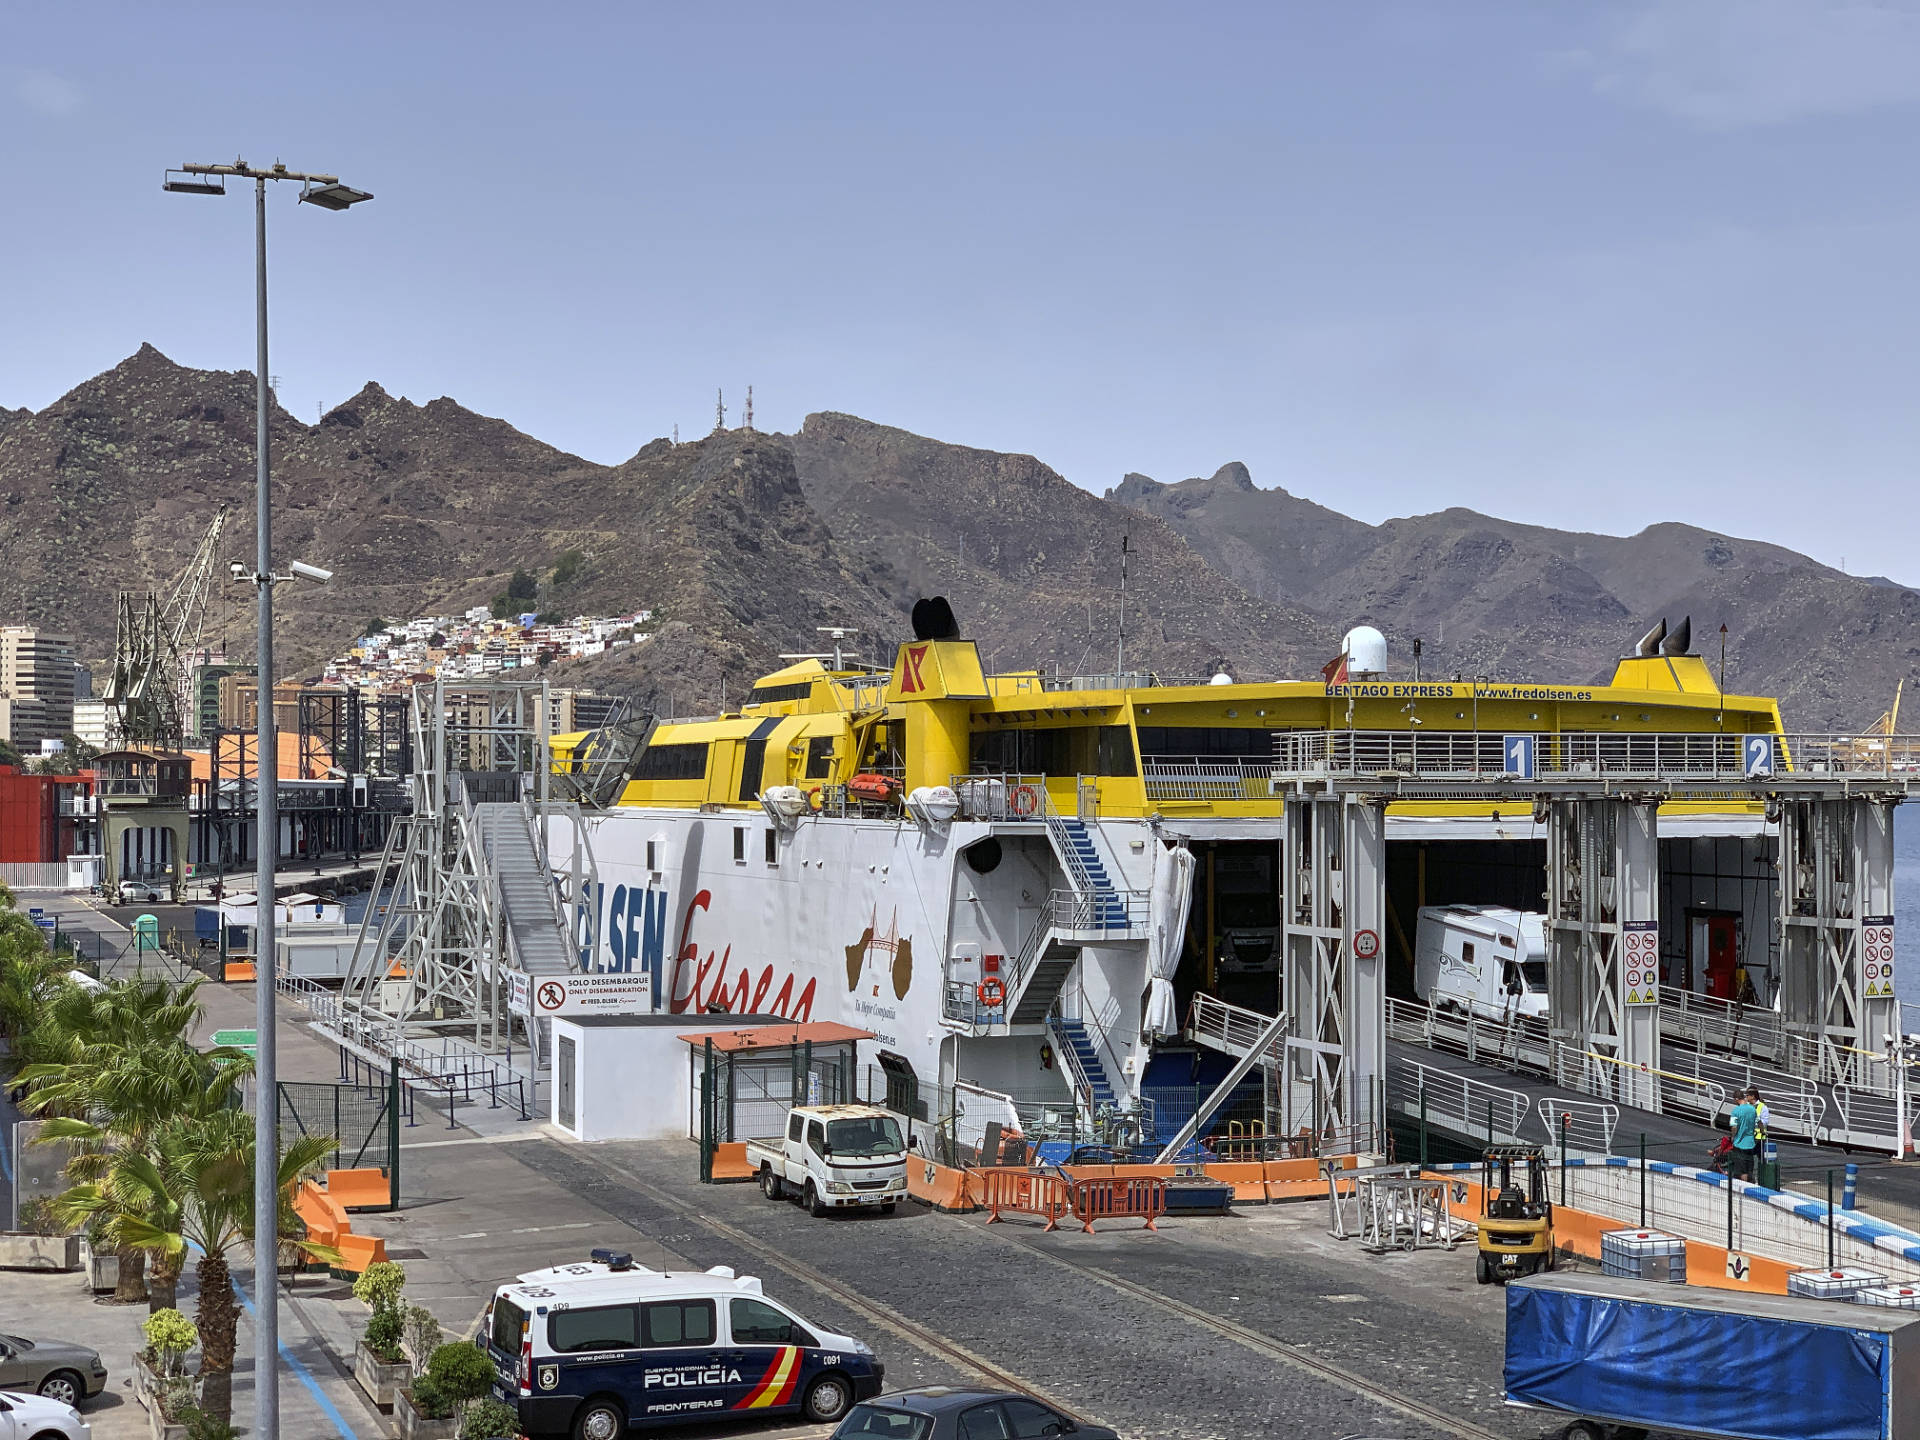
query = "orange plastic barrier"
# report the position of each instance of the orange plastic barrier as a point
(941, 1186)
(1578, 1232)
(359, 1251)
(238, 970)
(730, 1161)
(1141, 1199)
(359, 1189)
(1024, 1193)
(323, 1222)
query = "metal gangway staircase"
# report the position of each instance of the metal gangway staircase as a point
(481, 905)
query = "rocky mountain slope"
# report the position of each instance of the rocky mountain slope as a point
(1494, 597)
(744, 542)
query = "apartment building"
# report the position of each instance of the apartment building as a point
(36, 686)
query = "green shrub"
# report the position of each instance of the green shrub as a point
(461, 1371)
(522, 586)
(380, 1284)
(419, 1336)
(429, 1399)
(38, 1217)
(383, 1335)
(567, 566)
(487, 1419)
(170, 1335)
(202, 1426)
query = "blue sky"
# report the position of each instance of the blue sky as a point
(1585, 265)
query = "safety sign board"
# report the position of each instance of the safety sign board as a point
(519, 992)
(1876, 956)
(1640, 961)
(1366, 943)
(623, 994)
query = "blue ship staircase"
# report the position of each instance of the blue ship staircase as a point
(1081, 856)
(1083, 1059)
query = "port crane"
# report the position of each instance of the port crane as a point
(146, 692)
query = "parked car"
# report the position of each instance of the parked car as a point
(59, 1370)
(34, 1417)
(941, 1412)
(139, 892)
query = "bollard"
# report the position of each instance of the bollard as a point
(1850, 1192)
(1830, 1219)
(1643, 1179)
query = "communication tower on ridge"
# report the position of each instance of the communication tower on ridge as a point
(719, 411)
(746, 418)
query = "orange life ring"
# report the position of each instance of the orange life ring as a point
(1025, 800)
(993, 993)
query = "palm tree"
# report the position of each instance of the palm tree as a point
(113, 1068)
(191, 1189)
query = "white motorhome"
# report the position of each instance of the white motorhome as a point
(1481, 959)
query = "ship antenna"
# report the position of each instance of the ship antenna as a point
(1120, 647)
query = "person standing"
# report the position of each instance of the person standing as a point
(1743, 1125)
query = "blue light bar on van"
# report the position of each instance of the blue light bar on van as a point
(612, 1259)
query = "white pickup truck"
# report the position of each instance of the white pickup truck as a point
(834, 1157)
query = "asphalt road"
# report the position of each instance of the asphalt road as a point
(1035, 1304)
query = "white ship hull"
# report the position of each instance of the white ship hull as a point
(868, 922)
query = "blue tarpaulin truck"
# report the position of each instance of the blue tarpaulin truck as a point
(1620, 1357)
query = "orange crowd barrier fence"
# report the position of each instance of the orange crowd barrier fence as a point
(1134, 1199)
(1023, 1192)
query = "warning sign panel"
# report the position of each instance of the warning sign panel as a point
(630, 994)
(1640, 961)
(1876, 956)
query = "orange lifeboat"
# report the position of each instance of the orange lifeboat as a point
(876, 789)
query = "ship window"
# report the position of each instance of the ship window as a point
(740, 843)
(671, 762)
(1057, 750)
(766, 694)
(820, 757)
(773, 848)
(1205, 743)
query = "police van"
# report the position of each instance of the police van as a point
(607, 1347)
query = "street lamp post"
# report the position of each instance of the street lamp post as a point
(328, 193)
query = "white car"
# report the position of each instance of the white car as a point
(140, 892)
(34, 1417)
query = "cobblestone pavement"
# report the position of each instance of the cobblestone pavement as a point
(1037, 1304)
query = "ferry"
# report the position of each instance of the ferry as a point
(988, 870)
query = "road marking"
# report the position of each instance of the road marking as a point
(1260, 1343)
(531, 1230)
(877, 1312)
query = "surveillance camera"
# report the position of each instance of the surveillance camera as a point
(237, 570)
(311, 572)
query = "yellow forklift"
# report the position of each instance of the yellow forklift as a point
(1516, 1217)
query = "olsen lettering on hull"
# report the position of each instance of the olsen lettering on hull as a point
(843, 928)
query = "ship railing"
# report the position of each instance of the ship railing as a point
(1466, 1106)
(1002, 795)
(1709, 1022)
(1585, 1126)
(1232, 1029)
(1577, 755)
(1515, 1042)
(1796, 1105)
(1182, 778)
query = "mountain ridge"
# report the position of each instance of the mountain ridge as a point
(745, 541)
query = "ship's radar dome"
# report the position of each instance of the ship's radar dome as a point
(1366, 651)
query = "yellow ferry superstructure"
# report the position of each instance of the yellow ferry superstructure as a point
(989, 871)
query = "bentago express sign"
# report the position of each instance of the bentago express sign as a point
(635, 929)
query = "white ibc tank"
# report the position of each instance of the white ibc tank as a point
(1366, 651)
